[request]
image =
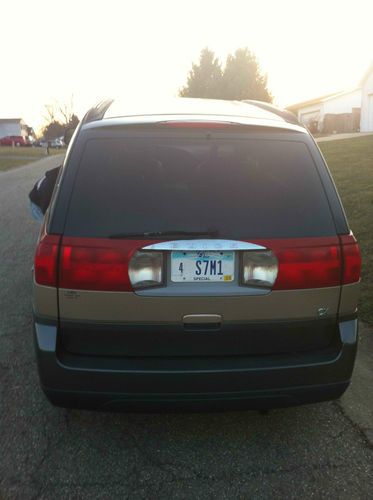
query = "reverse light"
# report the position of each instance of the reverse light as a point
(259, 269)
(146, 269)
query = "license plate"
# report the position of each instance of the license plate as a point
(204, 267)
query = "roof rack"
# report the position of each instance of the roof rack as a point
(288, 116)
(98, 111)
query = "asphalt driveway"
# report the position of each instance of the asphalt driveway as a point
(320, 451)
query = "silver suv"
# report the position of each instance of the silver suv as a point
(198, 257)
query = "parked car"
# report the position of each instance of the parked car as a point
(195, 257)
(17, 140)
(57, 143)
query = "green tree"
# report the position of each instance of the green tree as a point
(73, 122)
(241, 78)
(59, 118)
(53, 129)
(57, 129)
(204, 79)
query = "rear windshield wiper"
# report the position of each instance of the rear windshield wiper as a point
(161, 234)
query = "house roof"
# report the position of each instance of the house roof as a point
(324, 98)
(10, 120)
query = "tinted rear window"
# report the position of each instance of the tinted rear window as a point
(241, 188)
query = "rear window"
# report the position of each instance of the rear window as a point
(240, 188)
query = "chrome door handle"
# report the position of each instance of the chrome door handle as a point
(202, 319)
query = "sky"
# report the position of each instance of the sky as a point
(91, 50)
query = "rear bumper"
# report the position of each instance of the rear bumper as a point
(208, 383)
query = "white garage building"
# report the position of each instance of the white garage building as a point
(316, 112)
(13, 126)
(366, 121)
(347, 111)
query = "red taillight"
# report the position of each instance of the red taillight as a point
(306, 262)
(308, 268)
(315, 262)
(351, 259)
(95, 264)
(103, 264)
(46, 258)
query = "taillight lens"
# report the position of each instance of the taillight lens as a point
(314, 267)
(108, 265)
(306, 262)
(146, 269)
(94, 264)
(259, 269)
(351, 259)
(46, 259)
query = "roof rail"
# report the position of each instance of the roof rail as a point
(288, 116)
(97, 112)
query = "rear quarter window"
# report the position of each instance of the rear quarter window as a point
(241, 188)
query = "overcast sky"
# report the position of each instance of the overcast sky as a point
(50, 49)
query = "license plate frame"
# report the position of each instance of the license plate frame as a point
(207, 266)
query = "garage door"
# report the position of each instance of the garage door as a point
(309, 117)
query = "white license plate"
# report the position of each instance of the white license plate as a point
(206, 266)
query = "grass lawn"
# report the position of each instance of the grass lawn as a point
(15, 157)
(7, 163)
(351, 164)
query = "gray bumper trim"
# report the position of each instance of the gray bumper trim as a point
(226, 378)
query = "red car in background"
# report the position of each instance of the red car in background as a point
(17, 140)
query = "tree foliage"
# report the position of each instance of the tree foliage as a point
(240, 79)
(57, 129)
(59, 118)
(204, 78)
(53, 129)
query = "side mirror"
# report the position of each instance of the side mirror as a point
(69, 132)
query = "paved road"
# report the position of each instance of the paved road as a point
(317, 451)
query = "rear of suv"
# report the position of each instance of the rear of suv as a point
(194, 258)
